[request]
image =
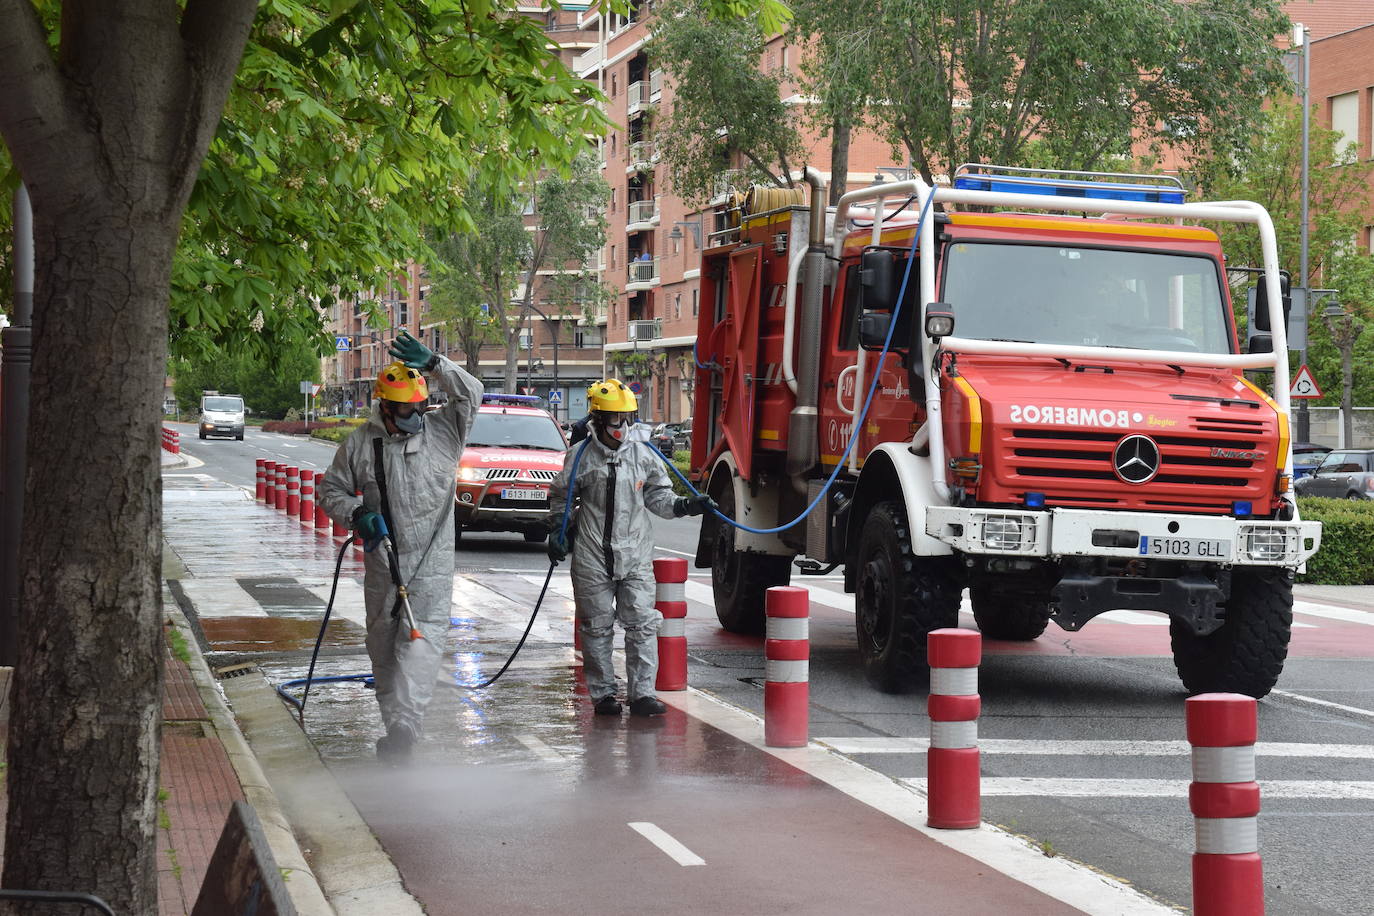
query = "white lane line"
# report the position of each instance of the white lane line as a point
(1300, 698)
(696, 591)
(660, 838)
(1155, 788)
(1333, 613)
(878, 744)
(1064, 880)
(541, 750)
(681, 553)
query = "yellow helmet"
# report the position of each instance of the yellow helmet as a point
(612, 396)
(399, 382)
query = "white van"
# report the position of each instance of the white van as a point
(221, 415)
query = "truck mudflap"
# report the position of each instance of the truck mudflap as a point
(1209, 539)
(1193, 598)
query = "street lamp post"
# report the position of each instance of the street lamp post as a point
(1300, 36)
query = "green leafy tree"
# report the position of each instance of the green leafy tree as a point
(178, 196)
(269, 389)
(457, 301)
(955, 81)
(726, 112)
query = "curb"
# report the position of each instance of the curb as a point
(303, 886)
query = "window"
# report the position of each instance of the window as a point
(612, 257)
(677, 306)
(614, 85)
(694, 302)
(588, 337)
(526, 338)
(402, 313)
(424, 293)
(1345, 120)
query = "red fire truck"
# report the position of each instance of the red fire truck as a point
(1026, 384)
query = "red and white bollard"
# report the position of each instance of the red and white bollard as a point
(293, 491)
(280, 485)
(670, 600)
(1228, 878)
(786, 654)
(322, 521)
(954, 796)
(260, 484)
(269, 482)
(306, 511)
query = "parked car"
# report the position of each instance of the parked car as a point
(682, 439)
(671, 437)
(1306, 457)
(1342, 474)
(514, 451)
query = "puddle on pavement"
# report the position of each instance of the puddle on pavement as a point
(267, 634)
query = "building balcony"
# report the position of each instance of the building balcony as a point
(655, 85)
(587, 60)
(640, 275)
(637, 98)
(643, 155)
(642, 215)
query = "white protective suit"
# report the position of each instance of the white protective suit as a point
(612, 556)
(420, 480)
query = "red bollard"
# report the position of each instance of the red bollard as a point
(670, 600)
(293, 491)
(260, 483)
(786, 653)
(954, 796)
(306, 508)
(322, 522)
(269, 482)
(280, 485)
(1228, 878)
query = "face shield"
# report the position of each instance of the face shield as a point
(615, 424)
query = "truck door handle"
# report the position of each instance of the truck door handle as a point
(839, 390)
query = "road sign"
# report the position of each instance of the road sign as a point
(1304, 385)
(636, 387)
(524, 390)
(342, 343)
(555, 397)
(315, 389)
(305, 387)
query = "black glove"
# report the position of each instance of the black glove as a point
(558, 547)
(693, 505)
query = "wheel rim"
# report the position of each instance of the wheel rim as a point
(723, 556)
(874, 593)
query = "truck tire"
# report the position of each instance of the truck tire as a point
(1015, 616)
(739, 580)
(1246, 653)
(899, 598)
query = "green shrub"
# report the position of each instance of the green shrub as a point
(683, 462)
(1346, 556)
(333, 433)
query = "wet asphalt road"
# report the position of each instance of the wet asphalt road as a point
(1081, 732)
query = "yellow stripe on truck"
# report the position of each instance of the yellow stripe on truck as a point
(975, 415)
(1282, 455)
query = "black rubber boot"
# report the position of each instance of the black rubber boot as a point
(607, 706)
(647, 706)
(395, 746)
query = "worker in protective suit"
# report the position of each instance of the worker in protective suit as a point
(412, 490)
(619, 482)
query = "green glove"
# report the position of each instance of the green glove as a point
(558, 547)
(370, 526)
(413, 353)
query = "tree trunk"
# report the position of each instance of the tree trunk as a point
(109, 145)
(513, 361)
(839, 159)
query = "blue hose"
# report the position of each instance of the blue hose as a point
(858, 422)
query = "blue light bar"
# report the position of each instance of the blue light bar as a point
(512, 399)
(1065, 188)
(1035, 500)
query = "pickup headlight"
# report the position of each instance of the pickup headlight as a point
(472, 475)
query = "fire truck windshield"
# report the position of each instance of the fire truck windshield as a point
(1086, 296)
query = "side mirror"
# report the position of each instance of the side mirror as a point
(875, 277)
(873, 328)
(1262, 303)
(939, 320)
(1262, 343)
(248, 411)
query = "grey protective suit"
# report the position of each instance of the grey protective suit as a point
(612, 557)
(420, 480)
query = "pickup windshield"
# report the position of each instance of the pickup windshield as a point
(231, 405)
(1086, 296)
(515, 431)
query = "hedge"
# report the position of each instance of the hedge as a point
(1346, 556)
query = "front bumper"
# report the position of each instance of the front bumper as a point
(1055, 533)
(483, 505)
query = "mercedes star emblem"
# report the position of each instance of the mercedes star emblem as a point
(1136, 459)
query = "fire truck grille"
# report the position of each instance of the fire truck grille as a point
(1203, 466)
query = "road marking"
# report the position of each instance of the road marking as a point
(541, 750)
(1064, 880)
(660, 838)
(1353, 710)
(879, 744)
(1333, 613)
(1006, 786)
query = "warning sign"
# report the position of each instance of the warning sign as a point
(1304, 385)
